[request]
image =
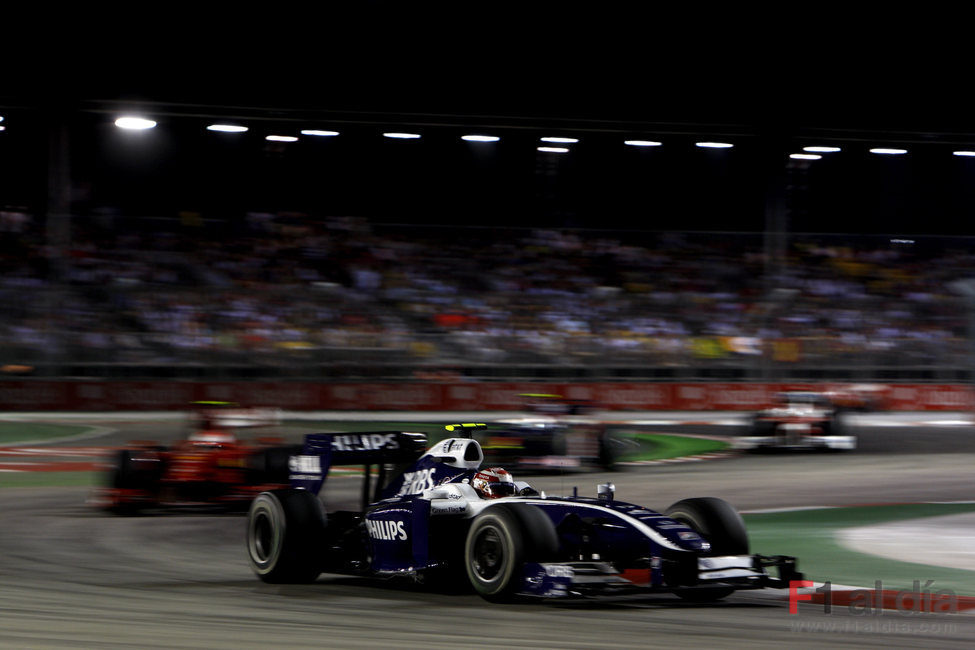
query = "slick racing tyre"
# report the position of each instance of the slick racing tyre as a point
(271, 465)
(500, 540)
(718, 523)
(136, 470)
(759, 427)
(609, 452)
(835, 426)
(285, 529)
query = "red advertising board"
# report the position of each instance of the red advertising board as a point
(43, 395)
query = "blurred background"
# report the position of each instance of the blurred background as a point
(238, 242)
(457, 210)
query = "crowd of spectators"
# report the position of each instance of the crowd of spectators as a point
(304, 291)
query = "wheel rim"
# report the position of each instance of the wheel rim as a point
(488, 557)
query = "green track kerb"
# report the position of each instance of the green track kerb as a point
(810, 535)
(655, 446)
(49, 479)
(13, 433)
(21, 432)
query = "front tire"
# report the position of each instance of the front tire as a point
(609, 452)
(139, 471)
(285, 534)
(720, 524)
(269, 466)
(500, 540)
(136, 469)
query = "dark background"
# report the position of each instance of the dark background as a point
(769, 83)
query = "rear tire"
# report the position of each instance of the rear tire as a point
(285, 534)
(720, 524)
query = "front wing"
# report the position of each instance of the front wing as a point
(797, 442)
(582, 579)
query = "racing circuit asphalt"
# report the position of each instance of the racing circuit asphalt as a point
(73, 577)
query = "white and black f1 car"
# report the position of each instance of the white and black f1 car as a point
(798, 420)
(555, 433)
(430, 522)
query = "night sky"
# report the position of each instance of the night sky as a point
(768, 87)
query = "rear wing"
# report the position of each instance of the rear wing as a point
(323, 451)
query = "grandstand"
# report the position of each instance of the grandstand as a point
(307, 297)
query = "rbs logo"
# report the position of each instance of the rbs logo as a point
(416, 482)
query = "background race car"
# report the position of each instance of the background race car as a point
(861, 398)
(443, 519)
(798, 420)
(555, 433)
(210, 467)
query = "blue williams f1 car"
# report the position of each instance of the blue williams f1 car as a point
(432, 514)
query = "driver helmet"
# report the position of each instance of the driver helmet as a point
(494, 483)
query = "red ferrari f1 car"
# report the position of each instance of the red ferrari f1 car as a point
(210, 467)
